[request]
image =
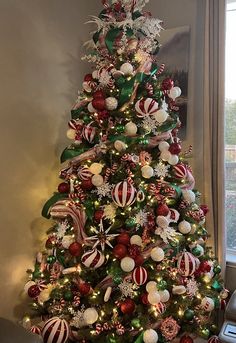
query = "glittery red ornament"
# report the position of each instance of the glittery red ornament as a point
(88, 77)
(87, 185)
(33, 291)
(98, 95)
(127, 306)
(139, 260)
(120, 251)
(84, 288)
(134, 250)
(99, 103)
(63, 187)
(205, 209)
(144, 298)
(103, 115)
(123, 238)
(186, 339)
(167, 84)
(205, 266)
(162, 210)
(75, 249)
(98, 215)
(175, 148)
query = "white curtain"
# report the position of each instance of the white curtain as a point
(213, 135)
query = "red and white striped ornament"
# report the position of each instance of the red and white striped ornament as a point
(180, 171)
(36, 330)
(139, 276)
(124, 194)
(93, 259)
(89, 132)
(89, 86)
(160, 307)
(146, 107)
(214, 339)
(120, 330)
(55, 330)
(84, 173)
(186, 263)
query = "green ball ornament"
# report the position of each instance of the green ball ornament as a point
(68, 295)
(158, 93)
(161, 285)
(217, 286)
(143, 141)
(51, 259)
(86, 119)
(217, 269)
(130, 222)
(189, 314)
(136, 323)
(120, 128)
(56, 294)
(205, 333)
(197, 251)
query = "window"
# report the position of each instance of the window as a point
(230, 126)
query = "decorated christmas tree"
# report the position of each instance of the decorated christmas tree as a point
(126, 258)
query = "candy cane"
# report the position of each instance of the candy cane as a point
(64, 208)
(107, 174)
(161, 69)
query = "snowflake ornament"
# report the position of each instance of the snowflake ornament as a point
(141, 218)
(102, 237)
(105, 80)
(104, 190)
(78, 317)
(110, 211)
(61, 229)
(167, 234)
(127, 289)
(161, 170)
(149, 124)
(191, 287)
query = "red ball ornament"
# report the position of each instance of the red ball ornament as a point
(84, 288)
(139, 260)
(134, 251)
(162, 210)
(139, 276)
(205, 209)
(88, 77)
(120, 251)
(75, 249)
(98, 215)
(205, 267)
(63, 187)
(87, 185)
(127, 306)
(123, 238)
(167, 84)
(98, 95)
(175, 148)
(99, 103)
(33, 291)
(186, 339)
(144, 298)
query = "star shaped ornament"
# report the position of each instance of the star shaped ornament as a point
(101, 237)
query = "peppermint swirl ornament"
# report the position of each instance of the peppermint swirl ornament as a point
(186, 263)
(89, 133)
(124, 194)
(146, 107)
(93, 259)
(55, 330)
(84, 173)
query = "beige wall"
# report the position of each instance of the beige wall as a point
(40, 71)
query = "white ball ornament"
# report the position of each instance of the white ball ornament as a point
(165, 155)
(97, 180)
(91, 109)
(174, 93)
(120, 146)
(151, 286)
(150, 336)
(154, 298)
(96, 168)
(157, 254)
(184, 227)
(136, 239)
(173, 160)
(147, 172)
(127, 68)
(164, 295)
(111, 103)
(90, 316)
(189, 195)
(163, 146)
(71, 134)
(161, 116)
(178, 290)
(127, 264)
(207, 304)
(131, 129)
(162, 221)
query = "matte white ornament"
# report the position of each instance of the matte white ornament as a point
(127, 68)
(97, 180)
(131, 129)
(91, 109)
(70, 133)
(111, 103)
(136, 239)
(174, 93)
(184, 227)
(120, 146)
(147, 172)
(178, 290)
(173, 160)
(151, 286)
(107, 294)
(161, 115)
(165, 155)
(157, 254)
(154, 298)
(164, 295)
(127, 264)
(150, 336)
(207, 304)
(96, 168)
(90, 316)
(188, 195)
(163, 146)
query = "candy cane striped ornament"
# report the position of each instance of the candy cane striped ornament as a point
(146, 107)
(89, 132)
(139, 276)
(120, 330)
(161, 69)
(93, 259)
(180, 171)
(214, 339)
(124, 194)
(55, 330)
(186, 263)
(84, 173)
(160, 307)
(36, 330)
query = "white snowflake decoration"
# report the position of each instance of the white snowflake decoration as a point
(78, 317)
(104, 190)
(161, 170)
(141, 218)
(61, 229)
(101, 237)
(127, 289)
(191, 287)
(105, 79)
(167, 234)
(110, 211)
(149, 124)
